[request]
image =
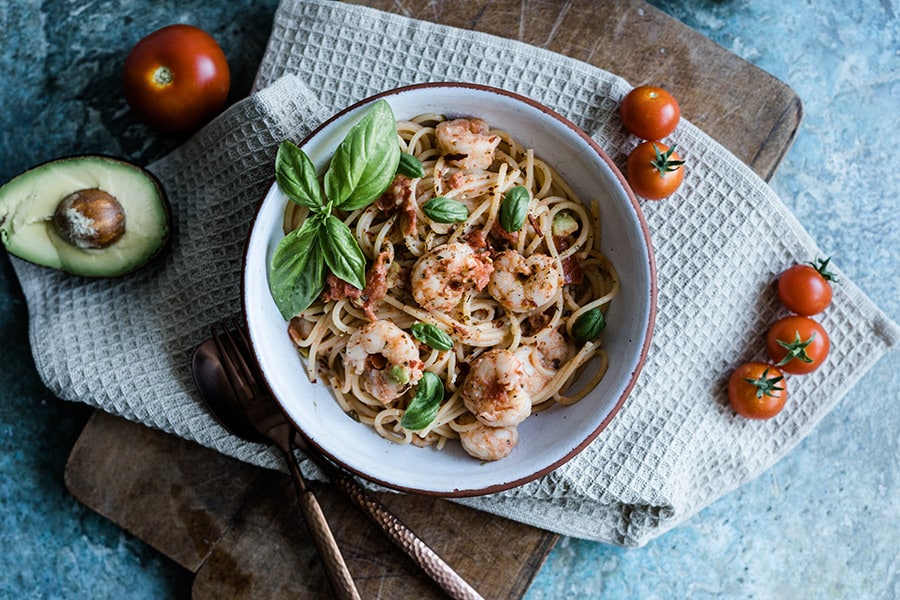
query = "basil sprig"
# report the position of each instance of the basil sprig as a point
(432, 335)
(425, 405)
(360, 170)
(445, 210)
(514, 208)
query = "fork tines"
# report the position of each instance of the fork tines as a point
(234, 353)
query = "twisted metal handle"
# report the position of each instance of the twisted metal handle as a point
(404, 537)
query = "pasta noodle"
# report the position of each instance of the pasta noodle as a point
(507, 300)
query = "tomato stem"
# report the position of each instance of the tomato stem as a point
(162, 76)
(795, 349)
(663, 161)
(765, 386)
(821, 265)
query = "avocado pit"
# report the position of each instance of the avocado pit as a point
(90, 218)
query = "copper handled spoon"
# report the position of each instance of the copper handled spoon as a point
(215, 368)
(221, 372)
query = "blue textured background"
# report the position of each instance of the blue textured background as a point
(823, 523)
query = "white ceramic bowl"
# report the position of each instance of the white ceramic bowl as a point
(546, 440)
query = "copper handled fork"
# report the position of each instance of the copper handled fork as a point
(267, 421)
(262, 409)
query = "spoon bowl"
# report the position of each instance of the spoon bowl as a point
(211, 380)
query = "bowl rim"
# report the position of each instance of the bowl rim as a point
(651, 312)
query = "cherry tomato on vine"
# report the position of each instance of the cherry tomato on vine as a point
(176, 78)
(654, 171)
(757, 390)
(649, 112)
(805, 289)
(797, 344)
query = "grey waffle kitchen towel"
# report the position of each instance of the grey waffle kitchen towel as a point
(124, 345)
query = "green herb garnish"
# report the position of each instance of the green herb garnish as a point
(425, 405)
(514, 208)
(445, 210)
(432, 335)
(410, 166)
(589, 325)
(361, 169)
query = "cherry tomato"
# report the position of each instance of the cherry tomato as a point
(805, 289)
(176, 78)
(649, 112)
(797, 344)
(654, 170)
(757, 390)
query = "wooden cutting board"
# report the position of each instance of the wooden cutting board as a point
(237, 527)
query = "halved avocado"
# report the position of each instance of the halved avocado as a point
(90, 215)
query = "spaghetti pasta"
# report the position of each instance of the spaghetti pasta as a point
(508, 300)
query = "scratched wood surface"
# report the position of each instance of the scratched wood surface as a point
(237, 526)
(745, 109)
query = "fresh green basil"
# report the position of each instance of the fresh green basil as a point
(589, 325)
(425, 405)
(432, 335)
(514, 208)
(296, 176)
(297, 272)
(410, 166)
(365, 162)
(445, 210)
(342, 253)
(360, 170)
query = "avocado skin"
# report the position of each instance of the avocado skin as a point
(29, 200)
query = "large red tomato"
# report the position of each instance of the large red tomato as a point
(176, 78)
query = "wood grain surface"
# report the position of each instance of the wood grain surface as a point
(745, 109)
(238, 527)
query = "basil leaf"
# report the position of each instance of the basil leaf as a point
(432, 335)
(445, 210)
(342, 253)
(425, 404)
(589, 325)
(410, 166)
(364, 163)
(296, 176)
(297, 271)
(514, 208)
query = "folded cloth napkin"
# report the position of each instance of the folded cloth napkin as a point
(124, 345)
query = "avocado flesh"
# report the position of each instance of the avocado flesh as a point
(28, 202)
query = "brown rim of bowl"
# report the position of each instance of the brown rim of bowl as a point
(499, 487)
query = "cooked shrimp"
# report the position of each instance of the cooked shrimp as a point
(523, 284)
(386, 357)
(442, 276)
(494, 389)
(541, 360)
(533, 380)
(489, 443)
(465, 143)
(554, 349)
